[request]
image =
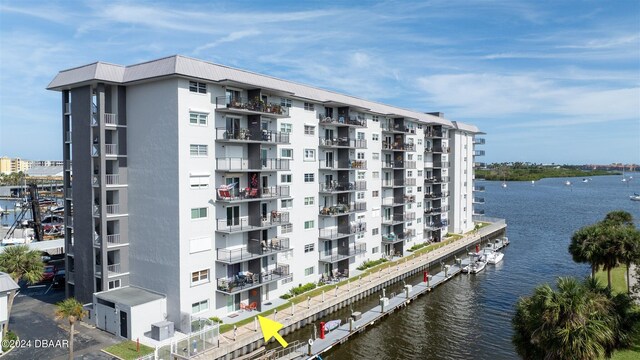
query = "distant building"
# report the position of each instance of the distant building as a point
(5, 165)
(15, 165)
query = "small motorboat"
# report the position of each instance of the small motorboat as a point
(332, 325)
(504, 184)
(477, 266)
(635, 197)
(568, 183)
(585, 180)
(494, 257)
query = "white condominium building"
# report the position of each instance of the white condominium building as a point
(199, 190)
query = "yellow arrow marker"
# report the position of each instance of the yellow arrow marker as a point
(270, 329)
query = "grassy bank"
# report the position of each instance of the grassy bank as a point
(536, 173)
(127, 350)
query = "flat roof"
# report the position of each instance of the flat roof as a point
(7, 283)
(130, 296)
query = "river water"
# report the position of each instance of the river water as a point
(470, 316)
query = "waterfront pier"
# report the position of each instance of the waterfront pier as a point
(248, 338)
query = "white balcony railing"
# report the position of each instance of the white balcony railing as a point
(113, 239)
(110, 119)
(111, 149)
(112, 179)
(113, 209)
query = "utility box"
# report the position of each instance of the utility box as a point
(162, 330)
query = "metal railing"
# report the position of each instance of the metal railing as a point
(110, 119)
(343, 120)
(478, 211)
(478, 188)
(230, 164)
(113, 209)
(269, 136)
(478, 152)
(355, 227)
(247, 252)
(344, 142)
(241, 282)
(247, 223)
(67, 136)
(342, 208)
(398, 146)
(437, 149)
(478, 141)
(113, 239)
(392, 127)
(478, 200)
(436, 195)
(436, 180)
(343, 253)
(112, 179)
(254, 105)
(67, 164)
(434, 134)
(440, 164)
(336, 186)
(436, 210)
(114, 269)
(67, 108)
(253, 193)
(111, 149)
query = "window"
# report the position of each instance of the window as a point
(374, 137)
(360, 175)
(285, 178)
(409, 173)
(419, 157)
(286, 153)
(197, 87)
(375, 118)
(286, 203)
(360, 196)
(360, 136)
(376, 174)
(375, 193)
(285, 229)
(409, 156)
(200, 306)
(198, 213)
(198, 150)
(309, 247)
(309, 271)
(375, 156)
(419, 172)
(285, 102)
(419, 220)
(309, 224)
(309, 155)
(360, 156)
(419, 126)
(308, 106)
(419, 141)
(285, 128)
(309, 200)
(199, 181)
(114, 284)
(419, 204)
(200, 277)
(196, 118)
(419, 188)
(309, 178)
(309, 130)
(375, 231)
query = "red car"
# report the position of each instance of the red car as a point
(49, 272)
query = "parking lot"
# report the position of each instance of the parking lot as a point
(33, 318)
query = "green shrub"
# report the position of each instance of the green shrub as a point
(216, 319)
(417, 246)
(286, 296)
(300, 289)
(10, 337)
(371, 263)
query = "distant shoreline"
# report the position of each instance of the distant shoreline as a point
(538, 174)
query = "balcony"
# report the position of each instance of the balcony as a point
(396, 128)
(478, 200)
(407, 235)
(478, 152)
(478, 188)
(255, 249)
(342, 209)
(343, 142)
(478, 141)
(67, 108)
(110, 119)
(67, 164)
(70, 277)
(436, 195)
(114, 240)
(246, 223)
(398, 146)
(242, 164)
(434, 134)
(356, 227)
(249, 194)
(112, 179)
(114, 269)
(247, 281)
(111, 149)
(437, 150)
(436, 210)
(437, 180)
(479, 165)
(338, 187)
(433, 226)
(246, 136)
(478, 211)
(342, 165)
(440, 164)
(344, 253)
(394, 219)
(67, 136)
(244, 106)
(392, 238)
(341, 120)
(393, 201)
(69, 222)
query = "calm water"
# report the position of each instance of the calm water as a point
(470, 316)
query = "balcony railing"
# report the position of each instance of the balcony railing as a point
(392, 127)
(434, 134)
(112, 179)
(479, 165)
(248, 281)
(357, 121)
(478, 152)
(261, 248)
(440, 164)
(111, 149)
(478, 188)
(247, 135)
(67, 108)
(339, 164)
(344, 142)
(436, 195)
(343, 186)
(436, 210)
(478, 141)
(398, 146)
(251, 106)
(247, 223)
(407, 234)
(114, 269)
(253, 193)
(231, 164)
(342, 209)
(113, 209)
(69, 221)
(344, 253)
(437, 180)
(355, 227)
(478, 200)
(393, 219)
(110, 119)
(478, 211)
(113, 239)
(70, 277)
(67, 136)
(437, 149)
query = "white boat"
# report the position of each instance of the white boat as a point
(585, 180)
(568, 183)
(504, 184)
(635, 197)
(477, 266)
(494, 257)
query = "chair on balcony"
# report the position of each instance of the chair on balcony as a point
(224, 194)
(252, 306)
(252, 193)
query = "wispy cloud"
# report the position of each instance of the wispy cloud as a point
(236, 35)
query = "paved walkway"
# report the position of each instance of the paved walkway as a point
(249, 333)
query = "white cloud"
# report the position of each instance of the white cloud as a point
(237, 35)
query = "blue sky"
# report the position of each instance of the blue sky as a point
(548, 81)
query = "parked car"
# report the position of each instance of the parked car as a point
(49, 272)
(59, 279)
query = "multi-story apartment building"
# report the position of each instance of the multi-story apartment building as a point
(9, 165)
(203, 189)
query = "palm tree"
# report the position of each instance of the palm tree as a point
(22, 264)
(585, 247)
(618, 218)
(72, 310)
(570, 323)
(628, 249)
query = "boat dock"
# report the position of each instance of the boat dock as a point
(247, 339)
